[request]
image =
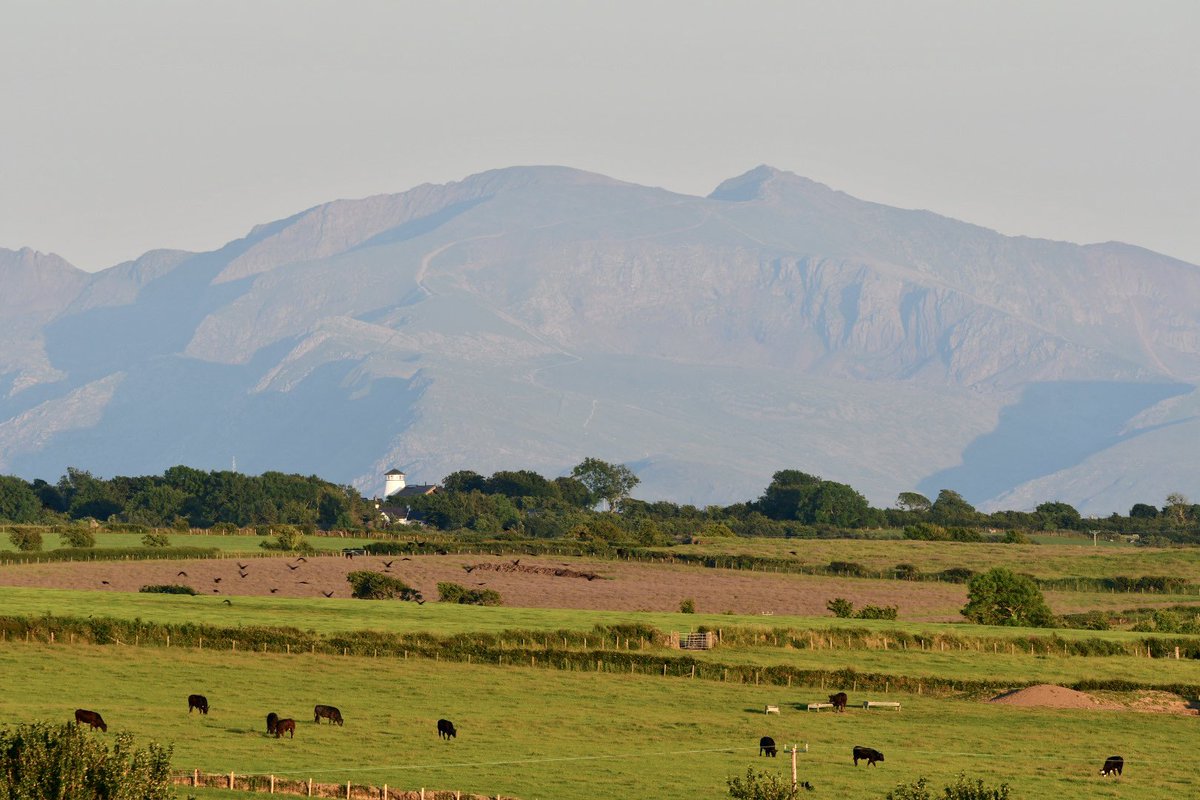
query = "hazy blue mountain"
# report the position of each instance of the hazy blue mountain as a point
(528, 317)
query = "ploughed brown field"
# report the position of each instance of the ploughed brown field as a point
(619, 586)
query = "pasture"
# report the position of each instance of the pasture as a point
(565, 735)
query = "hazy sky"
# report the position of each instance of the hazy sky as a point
(133, 125)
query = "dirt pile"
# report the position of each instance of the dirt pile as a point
(1046, 695)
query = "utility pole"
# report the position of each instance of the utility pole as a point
(795, 788)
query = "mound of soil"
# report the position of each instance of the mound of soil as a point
(1046, 695)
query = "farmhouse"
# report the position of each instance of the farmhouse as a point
(392, 510)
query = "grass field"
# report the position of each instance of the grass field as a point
(1069, 559)
(564, 735)
(233, 544)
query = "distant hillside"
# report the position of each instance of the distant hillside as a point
(527, 317)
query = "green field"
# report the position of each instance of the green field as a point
(566, 735)
(1071, 558)
(232, 544)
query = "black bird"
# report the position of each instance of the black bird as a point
(304, 582)
(216, 580)
(591, 577)
(242, 566)
(420, 602)
(388, 564)
(302, 558)
(793, 552)
(227, 602)
(516, 562)
(181, 572)
(406, 558)
(468, 568)
(482, 584)
(327, 594)
(442, 552)
(274, 590)
(216, 591)
(293, 569)
(106, 583)
(243, 574)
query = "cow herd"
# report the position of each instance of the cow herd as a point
(1113, 765)
(276, 726)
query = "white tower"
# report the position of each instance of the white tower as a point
(393, 481)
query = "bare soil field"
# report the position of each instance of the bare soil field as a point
(617, 586)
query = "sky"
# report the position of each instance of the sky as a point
(128, 126)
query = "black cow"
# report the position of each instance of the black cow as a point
(328, 712)
(839, 701)
(272, 722)
(446, 729)
(287, 726)
(1113, 765)
(871, 755)
(83, 716)
(198, 702)
(766, 745)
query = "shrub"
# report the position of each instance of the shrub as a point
(687, 606)
(963, 788)
(1016, 537)
(841, 607)
(877, 612)
(1001, 597)
(907, 572)
(956, 575)
(457, 593)
(26, 541)
(167, 588)
(79, 537)
(760, 786)
(847, 568)
(156, 540)
(50, 761)
(289, 540)
(367, 585)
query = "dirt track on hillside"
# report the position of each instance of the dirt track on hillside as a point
(620, 586)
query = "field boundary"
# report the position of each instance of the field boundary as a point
(275, 784)
(487, 650)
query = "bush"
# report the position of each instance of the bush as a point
(51, 761)
(841, 607)
(26, 541)
(1001, 597)
(956, 575)
(289, 540)
(963, 788)
(907, 572)
(79, 537)
(367, 585)
(167, 588)
(1016, 537)
(847, 568)
(687, 606)
(760, 786)
(156, 540)
(457, 593)
(877, 612)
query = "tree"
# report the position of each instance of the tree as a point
(911, 501)
(951, 508)
(26, 541)
(1177, 507)
(1001, 597)
(18, 502)
(1143, 511)
(608, 482)
(1059, 516)
(464, 480)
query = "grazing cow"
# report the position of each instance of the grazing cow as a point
(287, 726)
(272, 721)
(766, 745)
(870, 754)
(328, 712)
(83, 716)
(446, 729)
(198, 702)
(1113, 766)
(839, 701)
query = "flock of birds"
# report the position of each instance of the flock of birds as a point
(244, 572)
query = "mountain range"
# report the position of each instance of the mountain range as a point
(531, 316)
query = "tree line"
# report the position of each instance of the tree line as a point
(592, 503)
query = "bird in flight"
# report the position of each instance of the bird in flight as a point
(327, 594)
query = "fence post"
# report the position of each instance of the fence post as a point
(385, 791)
(195, 777)
(347, 790)
(310, 787)
(231, 780)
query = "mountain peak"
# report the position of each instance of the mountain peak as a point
(764, 182)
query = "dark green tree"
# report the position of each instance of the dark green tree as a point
(1143, 511)
(18, 502)
(912, 501)
(606, 482)
(1001, 597)
(464, 480)
(1059, 516)
(951, 509)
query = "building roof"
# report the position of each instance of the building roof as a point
(393, 472)
(409, 491)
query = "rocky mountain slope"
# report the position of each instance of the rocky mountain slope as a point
(528, 317)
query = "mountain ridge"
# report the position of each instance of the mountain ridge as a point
(503, 283)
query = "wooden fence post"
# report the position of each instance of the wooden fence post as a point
(231, 780)
(195, 777)
(272, 784)
(347, 790)
(385, 791)
(310, 787)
